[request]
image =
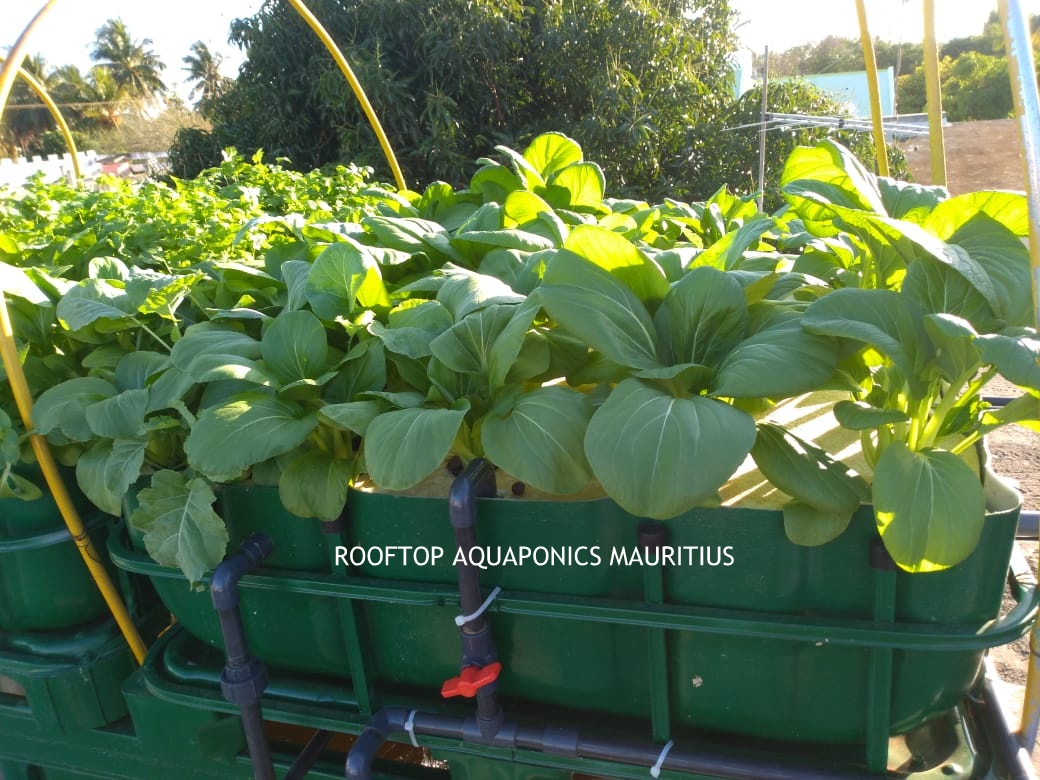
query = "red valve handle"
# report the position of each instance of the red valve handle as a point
(470, 680)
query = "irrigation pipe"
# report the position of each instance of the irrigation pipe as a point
(355, 85)
(59, 118)
(933, 93)
(880, 147)
(23, 399)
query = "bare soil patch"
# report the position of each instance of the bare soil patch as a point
(984, 155)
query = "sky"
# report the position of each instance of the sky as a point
(781, 24)
(65, 36)
(68, 31)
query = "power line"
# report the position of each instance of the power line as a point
(81, 104)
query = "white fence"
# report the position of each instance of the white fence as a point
(14, 172)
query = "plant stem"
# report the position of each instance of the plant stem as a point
(319, 440)
(950, 397)
(154, 335)
(870, 452)
(969, 441)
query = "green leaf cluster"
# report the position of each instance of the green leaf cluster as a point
(572, 338)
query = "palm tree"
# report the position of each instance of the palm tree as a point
(26, 118)
(203, 67)
(134, 67)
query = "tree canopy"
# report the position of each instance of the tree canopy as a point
(135, 68)
(450, 80)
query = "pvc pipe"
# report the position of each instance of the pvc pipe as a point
(23, 399)
(244, 676)
(1027, 108)
(478, 645)
(934, 96)
(553, 740)
(355, 85)
(880, 148)
(1027, 111)
(59, 118)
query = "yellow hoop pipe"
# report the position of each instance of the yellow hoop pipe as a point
(23, 399)
(869, 60)
(937, 143)
(59, 118)
(355, 85)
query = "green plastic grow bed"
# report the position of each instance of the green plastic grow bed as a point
(67, 596)
(787, 643)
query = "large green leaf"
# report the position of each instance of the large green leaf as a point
(1017, 359)
(467, 292)
(179, 525)
(657, 455)
(929, 505)
(619, 256)
(314, 484)
(861, 416)
(107, 470)
(15, 281)
(1005, 261)
(552, 152)
(539, 439)
(412, 235)
(404, 446)
(294, 346)
(342, 277)
(249, 428)
(412, 326)
(1010, 209)
(120, 416)
(93, 300)
(807, 473)
(829, 170)
(885, 320)
(62, 408)
(728, 251)
(584, 183)
(939, 289)
(353, 416)
(209, 339)
(364, 370)
(703, 317)
(466, 346)
(956, 353)
(154, 293)
(778, 360)
(135, 369)
(507, 350)
(906, 200)
(811, 526)
(588, 302)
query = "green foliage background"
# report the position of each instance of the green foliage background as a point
(450, 80)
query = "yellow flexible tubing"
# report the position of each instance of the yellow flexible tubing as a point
(880, 148)
(59, 118)
(355, 85)
(20, 388)
(933, 92)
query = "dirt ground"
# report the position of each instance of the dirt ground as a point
(979, 156)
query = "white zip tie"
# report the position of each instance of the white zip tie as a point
(409, 726)
(655, 770)
(461, 620)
